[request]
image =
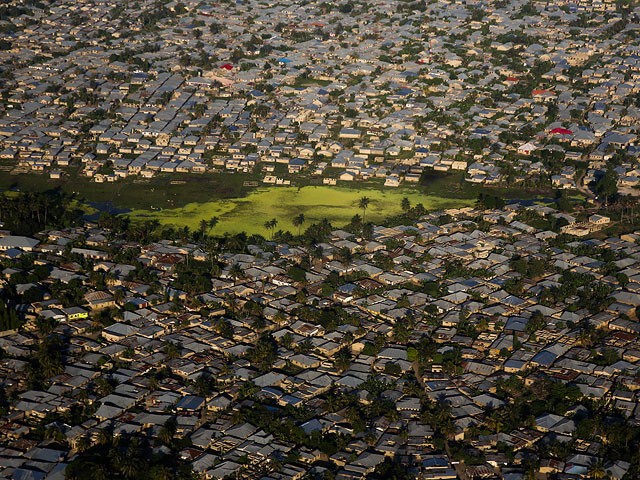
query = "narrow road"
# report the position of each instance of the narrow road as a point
(582, 189)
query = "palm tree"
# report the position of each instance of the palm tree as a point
(211, 246)
(105, 437)
(127, 465)
(597, 470)
(363, 204)
(203, 226)
(213, 221)
(495, 423)
(271, 225)
(298, 220)
(45, 326)
(118, 295)
(185, 233)
(236, 271)
(83, 443)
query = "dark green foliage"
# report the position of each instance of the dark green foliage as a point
(392, 470)
(9, 319)
(606, 185)
(342, 359)
(34, 294)
(318, 232)
(70, 294)
(529, 267)
(28, 213)
(127, 457)
(328, 318)
(605, 356)
(526, 403)
(595, 297)
(264, 353)
(297, 274)
(455, 268)
(592, 295)
(490, 201)
(46, 362)
(536, 322)
(283, 424)
(193, 277)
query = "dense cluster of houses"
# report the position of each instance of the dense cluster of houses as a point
(371, 335)
(379, 93)
(379, 286)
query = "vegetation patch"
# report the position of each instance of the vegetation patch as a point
(336, 204)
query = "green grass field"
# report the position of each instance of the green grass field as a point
(337, 204)
(185, 199)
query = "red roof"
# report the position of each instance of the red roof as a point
(227, 66)
(561, 131)
(512, 79)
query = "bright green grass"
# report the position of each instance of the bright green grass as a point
(336, 204)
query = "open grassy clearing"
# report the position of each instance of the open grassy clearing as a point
(185, 199)
(337, 204)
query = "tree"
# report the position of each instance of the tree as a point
(271, 225)
(9, 319)
(203, 226)
(342, 359)
(45, 326)
(405, 204)
(264, 353)
(606, 186)
(367, 231)
(213, 221)
(536, 322)
(168, 431)
(236, 271)
(171, 350)
(363, 204)
(597, 470)
(298, 220)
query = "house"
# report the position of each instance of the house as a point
(527, 149)
(296, 165)
(347, 176)
(9, 242)
(599, 219)
(99, 300)
(392, 181)
(75, 313)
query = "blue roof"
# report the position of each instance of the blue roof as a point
(291, 400)
(190, 402)
(517, 324)
(435, 462)
(13, 253)
(347, 288)
(312, 425)
(544, 357)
